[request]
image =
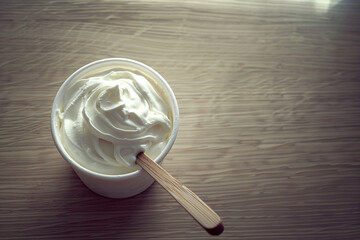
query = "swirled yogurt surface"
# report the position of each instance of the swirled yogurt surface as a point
(106, 120)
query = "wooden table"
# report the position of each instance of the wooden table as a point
(269, 97)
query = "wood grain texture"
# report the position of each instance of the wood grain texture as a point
(269, 98)
(199, 210)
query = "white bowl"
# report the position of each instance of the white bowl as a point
(125, 185)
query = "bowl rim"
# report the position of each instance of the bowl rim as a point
(139, 66)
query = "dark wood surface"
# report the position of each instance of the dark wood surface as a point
(269, 97)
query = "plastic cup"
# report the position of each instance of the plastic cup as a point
(124, 185)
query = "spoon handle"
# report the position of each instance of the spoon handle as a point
(201, 212)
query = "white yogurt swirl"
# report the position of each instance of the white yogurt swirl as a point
(107, 120)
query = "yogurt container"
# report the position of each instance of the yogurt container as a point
(104, 114)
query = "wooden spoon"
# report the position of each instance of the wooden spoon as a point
(201, 212)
